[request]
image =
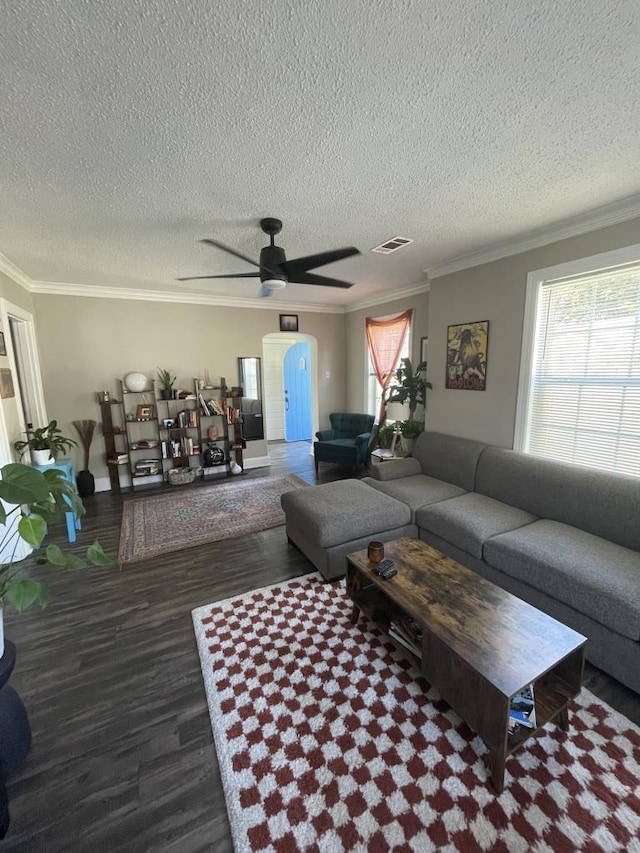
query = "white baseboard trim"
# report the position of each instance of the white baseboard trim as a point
(103, 484)
(257, 462)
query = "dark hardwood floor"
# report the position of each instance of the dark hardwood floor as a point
(122, 756)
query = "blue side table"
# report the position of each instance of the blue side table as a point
(65, 465)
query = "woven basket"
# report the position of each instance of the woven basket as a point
(181, 476)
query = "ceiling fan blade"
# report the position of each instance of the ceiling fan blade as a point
(238, 255)
(312, 278)
(298, 265)
(231, 252)
(231, 275)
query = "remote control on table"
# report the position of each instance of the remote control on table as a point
(382, 565)
(388, 573)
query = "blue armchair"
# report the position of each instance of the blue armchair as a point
(346, 443)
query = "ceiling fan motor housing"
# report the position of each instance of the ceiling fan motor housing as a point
(272, 258)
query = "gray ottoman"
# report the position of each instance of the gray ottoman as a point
(329, 521)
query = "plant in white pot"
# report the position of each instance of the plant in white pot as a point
(45, 443)
(29, 500)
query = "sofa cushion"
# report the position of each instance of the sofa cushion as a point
(392, 469)
(333, 513)
(469, 520)
(415, 491)
(590, 574)
(590, 499)
(448, 458)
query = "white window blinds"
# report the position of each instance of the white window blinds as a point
(584, 393)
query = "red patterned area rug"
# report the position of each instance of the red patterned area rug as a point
(330, 740)
(187, 518)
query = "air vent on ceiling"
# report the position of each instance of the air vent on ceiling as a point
(392, 245)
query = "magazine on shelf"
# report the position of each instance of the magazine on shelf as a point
(408, 635)
(522, 708)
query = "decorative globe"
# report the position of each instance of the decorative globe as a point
(135, 381)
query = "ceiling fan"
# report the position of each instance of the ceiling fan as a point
(275, 271)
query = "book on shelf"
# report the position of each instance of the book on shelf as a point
(522, 709)
(117, 459)
(146, 467)
(210, 407)
(144, 444)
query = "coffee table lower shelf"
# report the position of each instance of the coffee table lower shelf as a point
(465, 657)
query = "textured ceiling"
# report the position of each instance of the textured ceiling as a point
(130, 130)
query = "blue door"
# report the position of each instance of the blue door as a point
(297, 393)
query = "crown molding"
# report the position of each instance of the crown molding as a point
(59, 288)
(601, 217)
(15, 273)
(412, 290)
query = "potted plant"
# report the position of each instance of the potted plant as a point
(385, 436)
(85, 480)
(166, 382)
(45, 443)
(31, 499)
(410, 430)
(410, 387)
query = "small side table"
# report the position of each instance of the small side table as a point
(383, 454)
(65, 465)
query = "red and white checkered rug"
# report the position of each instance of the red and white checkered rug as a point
(329, 740)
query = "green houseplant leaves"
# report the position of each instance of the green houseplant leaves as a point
(30, 501)
(45, 438)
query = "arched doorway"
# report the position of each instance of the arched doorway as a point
(274, 350)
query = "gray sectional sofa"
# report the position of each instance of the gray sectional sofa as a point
(563, 537)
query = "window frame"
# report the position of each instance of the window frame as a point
(367, 360)
(602, 263)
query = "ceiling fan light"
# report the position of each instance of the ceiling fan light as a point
(274, 283)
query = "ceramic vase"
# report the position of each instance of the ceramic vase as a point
(86, 484)
(135, 381)
(407, 445)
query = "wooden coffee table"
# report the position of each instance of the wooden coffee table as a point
(478, 644)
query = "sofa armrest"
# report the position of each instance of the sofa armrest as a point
(326, 434)
(363, 438)
(394, 469)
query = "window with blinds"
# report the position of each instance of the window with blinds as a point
(583, 396)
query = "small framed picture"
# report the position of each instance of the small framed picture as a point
(423, 349)
(144, 413)
(3, 348)
(6, 383)
(167, 423)
(288, 322)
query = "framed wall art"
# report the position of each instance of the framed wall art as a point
(145, 412)
(6, 383)
(288, 322)
(3, 346)
(467, 356)
(423, 349)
